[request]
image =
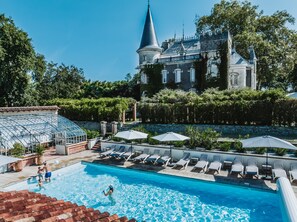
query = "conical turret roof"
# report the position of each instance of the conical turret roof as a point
(149, 37)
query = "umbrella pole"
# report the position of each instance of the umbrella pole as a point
(170, 154)
(266, 162)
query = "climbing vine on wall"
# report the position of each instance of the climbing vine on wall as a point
(201, 70)
(154, 85)
(223, 66)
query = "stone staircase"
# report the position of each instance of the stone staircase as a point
(97, 146)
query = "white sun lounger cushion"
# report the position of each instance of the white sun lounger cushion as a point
(277, 173)
(215, 166)
(293, 175)
(252, 169)
(237, 168)
(201, 164)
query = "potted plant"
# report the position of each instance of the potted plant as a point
(18, 151)
(39, 152)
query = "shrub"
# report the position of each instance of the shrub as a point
(260, 150)
(178, 144)
(39, 149)
(18, 150)
(237, 146)
(206, 139)
(91, 133)
(280, 152)
(224, 146)
(153, 141)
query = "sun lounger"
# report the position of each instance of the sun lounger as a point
(278, 170)
(202, 163)
(128, 154)
(216, 164)
(142, 157)
(237, 166)
(164, 160)
(109, 151)
(293, 172)
(118, 153)
(184, 161)
(251, 168)
(154, 157)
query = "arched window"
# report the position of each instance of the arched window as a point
(177, 75)
(192, 74)
(164, 76)
(234, 79)
(143, 78)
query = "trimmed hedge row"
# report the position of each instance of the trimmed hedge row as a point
(108, 109)
(252, 112)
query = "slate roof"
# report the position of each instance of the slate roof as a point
(191, 46)
(28, 108)
(25, 206)
(149, 38)
(236, 59)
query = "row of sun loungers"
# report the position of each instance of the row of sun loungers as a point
(237, 167)
(126, 153)
(203, 165)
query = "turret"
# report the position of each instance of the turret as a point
(149, 48)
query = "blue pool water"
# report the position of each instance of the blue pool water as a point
(149, 196)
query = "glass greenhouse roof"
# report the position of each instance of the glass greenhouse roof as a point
(32, 129)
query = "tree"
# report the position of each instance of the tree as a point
(16, 62)
(293, 78)
(275, 44)
(60, 81)
(129, 87)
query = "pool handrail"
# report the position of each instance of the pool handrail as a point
(288, 198)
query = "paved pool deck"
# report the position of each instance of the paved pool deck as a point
(57, 162)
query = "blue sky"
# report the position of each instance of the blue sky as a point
(102, 36)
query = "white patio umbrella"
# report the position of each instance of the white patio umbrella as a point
(131, 135)
(267, 142)
(170, 137)
(4, 160)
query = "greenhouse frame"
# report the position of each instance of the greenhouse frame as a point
(32, 129)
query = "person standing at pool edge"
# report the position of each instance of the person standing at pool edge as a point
(48, 172)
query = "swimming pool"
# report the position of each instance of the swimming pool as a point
(148, 196)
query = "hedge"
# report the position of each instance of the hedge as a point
(242, 112)
(107, 109)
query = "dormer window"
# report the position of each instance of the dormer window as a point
(143, 78)
(164, 76)
(192, 74)
(177, 75)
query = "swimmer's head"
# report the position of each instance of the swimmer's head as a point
(110, 187)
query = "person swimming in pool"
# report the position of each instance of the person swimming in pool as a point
(109, 192)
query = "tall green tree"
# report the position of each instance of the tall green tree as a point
(274, 43)
(129, 87)
(60, 81)
(17, 57)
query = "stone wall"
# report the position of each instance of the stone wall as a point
(225, 130)
(88, 125)
(77, 147)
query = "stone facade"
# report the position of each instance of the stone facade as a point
(179, 56)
